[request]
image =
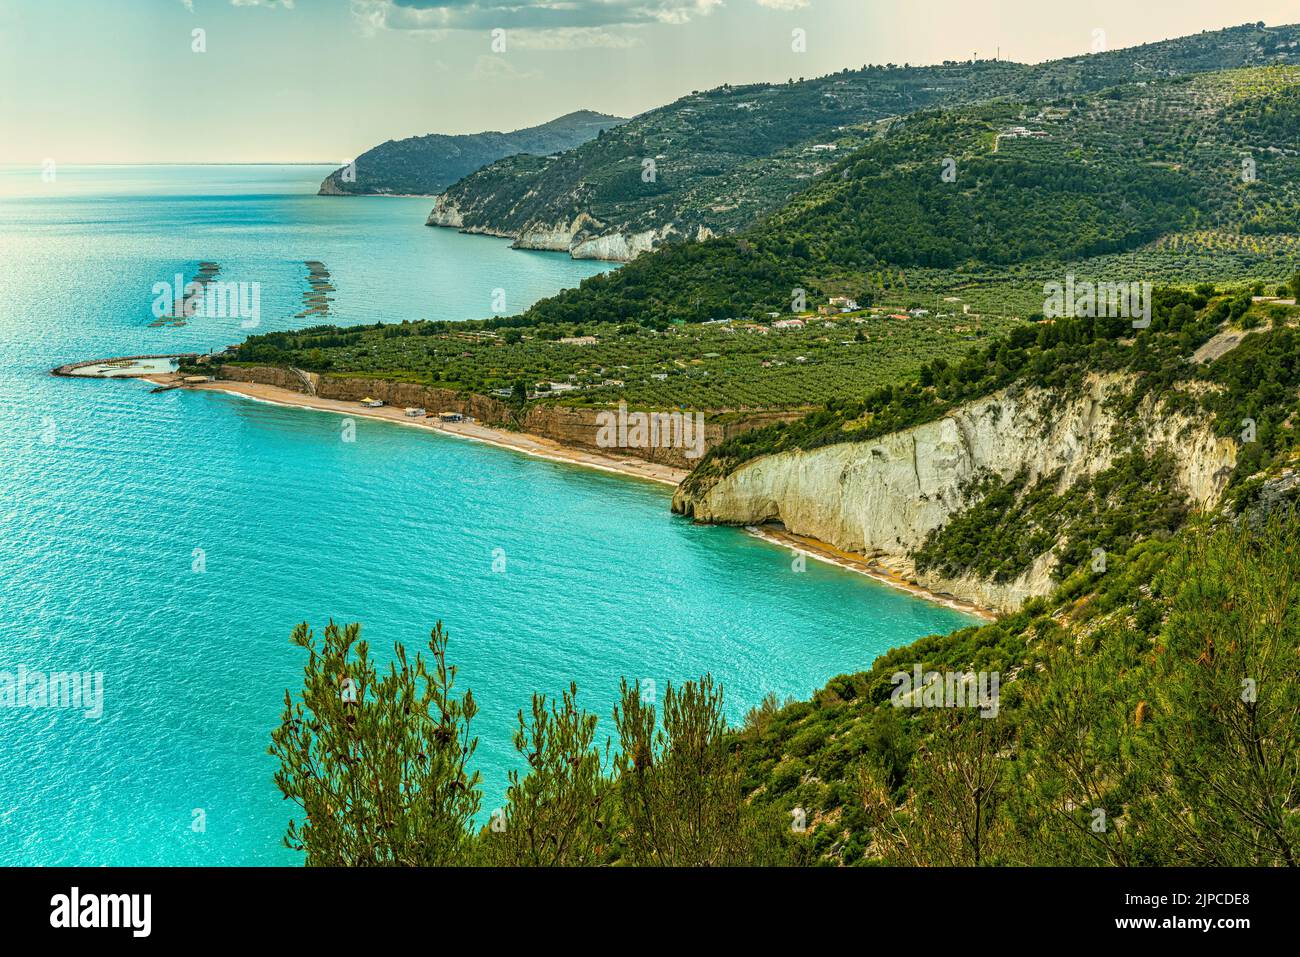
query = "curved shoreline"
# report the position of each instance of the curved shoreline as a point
(850, 561)
(68, 369)
(529, 444)
(550, 450)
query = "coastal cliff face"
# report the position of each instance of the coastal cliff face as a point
(558, 237)
(402, 394)
(883, 497)
(579, 428)
(583, 238)
(445, 213)
(571, 426)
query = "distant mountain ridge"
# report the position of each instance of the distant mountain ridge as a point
(719, 161)
(427, 165)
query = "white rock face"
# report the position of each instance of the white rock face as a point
(619, 247)
(883, 497)
(624, 247)
(445, 213)
(584, 238)
(553, 240)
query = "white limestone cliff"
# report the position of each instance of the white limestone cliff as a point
(882, 497)
(583, 238)
(445, 213)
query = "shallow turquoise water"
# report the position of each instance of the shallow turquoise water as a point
(106, 492)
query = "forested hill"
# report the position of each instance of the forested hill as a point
(1171, 181)
(724, 158)
(425, 165)
(1122, 686)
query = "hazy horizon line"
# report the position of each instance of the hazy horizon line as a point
(563, 112)
(333, 164)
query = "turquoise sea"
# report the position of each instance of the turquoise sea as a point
(109, 496)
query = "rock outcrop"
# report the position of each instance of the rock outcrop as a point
(445, 213)
(882, 497)
(583, 238)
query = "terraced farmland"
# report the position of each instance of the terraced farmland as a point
(731, 366)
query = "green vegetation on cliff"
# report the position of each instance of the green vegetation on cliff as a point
(1013, 522)
(1125, 734)
(1257, 379)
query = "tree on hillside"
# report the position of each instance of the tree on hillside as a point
(1077, 738)
(680, 785)
(379, 765)
(1227, 712)
(956, 816)
(557, 814)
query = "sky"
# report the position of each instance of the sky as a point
(281, 81)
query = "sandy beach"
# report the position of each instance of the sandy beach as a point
(872, 568)
(549, 449)
(474, 431)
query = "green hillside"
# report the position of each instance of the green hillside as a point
(1141, 182)
(724, 158)
(1124, 733)
(1259, 379)
(425, 165)
(708, 367)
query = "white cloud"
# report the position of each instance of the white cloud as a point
(492, 67)
(783, 4)
(572, 38)
(536, 15)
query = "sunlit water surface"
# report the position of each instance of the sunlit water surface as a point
(111, 498)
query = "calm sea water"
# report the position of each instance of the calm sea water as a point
(106, 493)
